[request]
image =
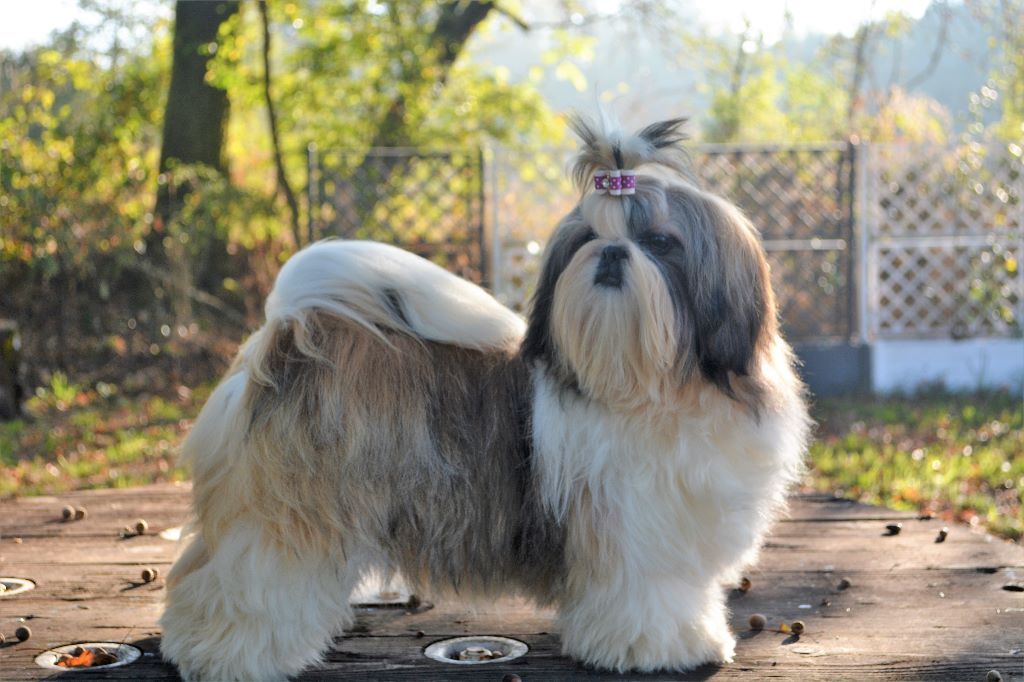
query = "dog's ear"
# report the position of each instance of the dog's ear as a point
(730, 295)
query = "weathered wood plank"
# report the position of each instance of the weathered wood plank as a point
(915, 609)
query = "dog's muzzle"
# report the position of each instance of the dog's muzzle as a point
(610, 266)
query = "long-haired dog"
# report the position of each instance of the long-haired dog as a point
(620, 456)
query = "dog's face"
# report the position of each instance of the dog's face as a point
(641, 295)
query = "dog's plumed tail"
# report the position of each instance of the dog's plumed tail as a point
(382, 287)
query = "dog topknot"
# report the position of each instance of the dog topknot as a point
(605, 147)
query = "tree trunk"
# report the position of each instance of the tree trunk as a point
(855, 105)
(197, 112)
(195, 119)
(11, 389)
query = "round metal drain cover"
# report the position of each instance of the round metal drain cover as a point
(125, 654)
(476, 650)
(13, 586)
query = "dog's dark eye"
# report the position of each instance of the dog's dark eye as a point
(657, 243)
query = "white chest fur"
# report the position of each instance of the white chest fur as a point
(661, 508)
(690, 489)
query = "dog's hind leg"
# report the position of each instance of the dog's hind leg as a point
(252, 609)
(246, 600)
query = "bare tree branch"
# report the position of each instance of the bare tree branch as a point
(283, 186)
(859, 68)
(513, 17)
(897, 64)
(936, 56)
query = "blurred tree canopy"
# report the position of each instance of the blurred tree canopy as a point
(759, 94)
(129, 187)
(1006, 88)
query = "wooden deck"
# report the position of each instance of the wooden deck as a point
(915, 610)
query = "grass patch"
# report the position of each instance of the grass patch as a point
(957, 456)
(74, 437)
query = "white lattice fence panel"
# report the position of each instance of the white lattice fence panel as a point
(941, 191)
(799, 199)
(945, 229)
(962, 289)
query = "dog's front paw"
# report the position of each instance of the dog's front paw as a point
(648, 632)
(688, 648)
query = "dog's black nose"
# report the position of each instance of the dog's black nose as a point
(609, 267)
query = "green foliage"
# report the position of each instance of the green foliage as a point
(341, 66)
(1005, 89)
(79, 436)
(749, 111)
(355, 74)
(760, 95)
(80, 129)
(953, 455)
(814, 107)
(77, 149)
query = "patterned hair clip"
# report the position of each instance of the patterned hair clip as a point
(628, 182)
(615, 182)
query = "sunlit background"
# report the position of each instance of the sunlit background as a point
(160, 160)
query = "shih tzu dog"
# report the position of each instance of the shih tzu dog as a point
(620, 455)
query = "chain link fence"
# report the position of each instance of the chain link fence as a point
(430, 202)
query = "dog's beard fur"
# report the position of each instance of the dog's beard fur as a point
(619, 459)
(620, 343)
